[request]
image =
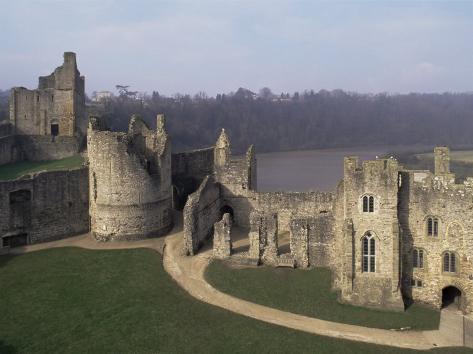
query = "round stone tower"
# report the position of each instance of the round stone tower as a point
(130, 181)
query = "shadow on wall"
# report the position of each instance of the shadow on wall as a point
(6, 348)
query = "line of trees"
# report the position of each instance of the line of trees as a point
(307, 120)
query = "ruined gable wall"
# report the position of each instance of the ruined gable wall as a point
(130, 196)
(201, 212)
(423, 194)
(58, 209)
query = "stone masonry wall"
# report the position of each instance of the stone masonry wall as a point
(130, 179)
(424, 195)
(9, 150)
(188, 171)
(222, 243)
(201, 212)
(57, 206)
(59, 100)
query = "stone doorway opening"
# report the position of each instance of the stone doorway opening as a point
(15, 240)
(227, 209)
(54, 129)
(451, 297)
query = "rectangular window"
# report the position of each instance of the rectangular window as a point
(429, 226)
(419, 283)
(452, 263)
(436, 227)
(421, 259)
(446, 262)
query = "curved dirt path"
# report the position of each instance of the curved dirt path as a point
(188, 272)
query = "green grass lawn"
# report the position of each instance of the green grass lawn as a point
(15, 170)
(71, 300)
(308, 292)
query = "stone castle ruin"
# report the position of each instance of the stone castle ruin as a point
(389, 235)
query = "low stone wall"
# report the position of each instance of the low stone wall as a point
(47, 147)
(45, 206)
(9, 151)
(201, 211)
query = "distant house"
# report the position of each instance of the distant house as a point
(101, 96)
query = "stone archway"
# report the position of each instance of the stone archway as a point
(227, 209)
(451, 297)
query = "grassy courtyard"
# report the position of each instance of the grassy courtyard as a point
(308, 292)
(71, 300)
(15, 170)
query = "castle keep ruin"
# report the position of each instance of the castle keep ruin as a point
(388, 234)
(130, 179)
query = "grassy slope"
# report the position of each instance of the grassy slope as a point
(15, 170)
(308, 292)
(76, 301)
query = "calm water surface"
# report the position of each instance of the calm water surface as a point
(301, 171)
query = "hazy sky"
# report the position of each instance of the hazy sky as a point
(218, 46)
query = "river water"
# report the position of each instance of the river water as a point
(300, 171)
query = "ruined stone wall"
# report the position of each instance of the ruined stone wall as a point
(377, 179)
(294, 204)
(222, 242)
(39, 148)
(188, 171)
(59, 101)
(201, 212)
(130, 179)
(9, 151)
(423, 195)
(56, 206)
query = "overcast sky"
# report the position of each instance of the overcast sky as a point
(219, 46)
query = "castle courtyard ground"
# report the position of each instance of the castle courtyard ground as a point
(188, 272)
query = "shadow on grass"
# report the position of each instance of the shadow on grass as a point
(7, 348)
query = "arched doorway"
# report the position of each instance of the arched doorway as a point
(226, 209)
(451, 297)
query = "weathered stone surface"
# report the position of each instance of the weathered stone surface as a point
(201, 211)
(222, 243)
(44, 206)
(130, 179)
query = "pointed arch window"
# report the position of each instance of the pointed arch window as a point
(368, 204)
(368, 245)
